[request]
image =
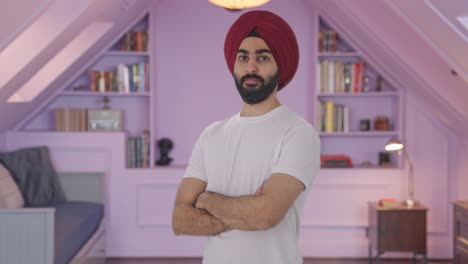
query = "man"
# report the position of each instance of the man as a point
(249, 175)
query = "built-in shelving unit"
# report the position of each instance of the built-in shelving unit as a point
(350, 97)
(120, 76)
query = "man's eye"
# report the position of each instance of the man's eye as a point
(263, 58)
(243, 58)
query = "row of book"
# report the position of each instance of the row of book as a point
(127, 78)
(134, 41)
(70, 119)
(332, 117)
(327, 41)
(341, 77)
(138, 150)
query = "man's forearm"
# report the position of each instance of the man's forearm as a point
(188, 220)
(243, 213)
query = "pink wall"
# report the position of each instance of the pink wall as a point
(190, 69)
(193, 85)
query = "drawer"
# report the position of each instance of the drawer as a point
(460, 259)
(402, 231)
(461, 229)
(461, 215)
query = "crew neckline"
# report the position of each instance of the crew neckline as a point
(254, 119)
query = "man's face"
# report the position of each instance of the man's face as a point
(255, 71)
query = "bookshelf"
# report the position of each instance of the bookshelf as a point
(101, 94)
(353, 100)
(121, 74)
(367, 94)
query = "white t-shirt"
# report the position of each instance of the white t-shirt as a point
(235, 157)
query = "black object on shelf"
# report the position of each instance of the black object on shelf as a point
(364, 124)
(384, 159)
(165, 145)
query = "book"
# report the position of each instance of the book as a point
(389, 202)
(329, 106)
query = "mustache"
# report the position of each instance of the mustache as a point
(249, 76)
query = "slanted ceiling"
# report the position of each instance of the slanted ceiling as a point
(417, 44)
(407, 51)
(18, 18)
(119, 13)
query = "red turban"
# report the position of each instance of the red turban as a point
(276, 33)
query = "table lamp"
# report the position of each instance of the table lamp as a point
(396, 145)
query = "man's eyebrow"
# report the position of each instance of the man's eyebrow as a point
(260, 51)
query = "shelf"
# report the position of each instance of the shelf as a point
(338, 54)
(159, 168)
(126, 53)
(73, 133)
(360, 94)
(88, 93)
(360, 168)
(359, 134)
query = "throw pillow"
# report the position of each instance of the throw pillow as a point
(35, 175)
(10, 196)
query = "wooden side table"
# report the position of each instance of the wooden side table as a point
(398, 228)
(460, 232)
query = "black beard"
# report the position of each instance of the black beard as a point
(255, 96)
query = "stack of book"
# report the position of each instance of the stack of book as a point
(332, 117)
(70, 119)
(138, 150)
(134, 41)
(340, 77)
(389, 203)
(327, 41)
(126, 78)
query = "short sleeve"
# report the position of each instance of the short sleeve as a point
(300, 154)
(196, 166)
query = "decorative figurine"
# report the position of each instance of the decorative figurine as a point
(165, 145)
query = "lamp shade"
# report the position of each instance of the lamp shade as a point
(394, 145)
(238, 4)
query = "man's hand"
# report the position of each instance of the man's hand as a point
(189, 220)
(260, 211)
(202, 200)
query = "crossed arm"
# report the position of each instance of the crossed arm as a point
(197, 212)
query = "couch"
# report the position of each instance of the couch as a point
(45, 227)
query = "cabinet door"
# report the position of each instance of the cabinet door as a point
(461, 236)
(460, 258)
(402, 231)
(140, 221)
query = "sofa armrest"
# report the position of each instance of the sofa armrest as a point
(28, 210)
(27, 235)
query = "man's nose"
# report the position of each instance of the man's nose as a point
(252, 67)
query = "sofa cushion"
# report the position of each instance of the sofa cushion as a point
(75, 223)
(35, 175)
(10, 196)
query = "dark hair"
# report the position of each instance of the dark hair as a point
(253, 33)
